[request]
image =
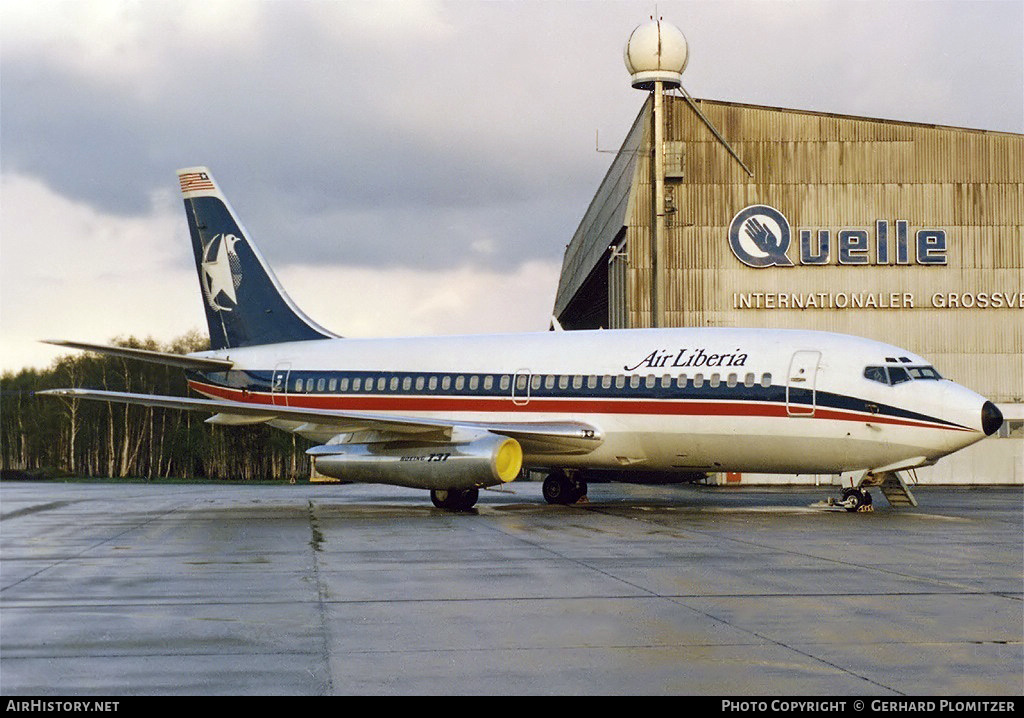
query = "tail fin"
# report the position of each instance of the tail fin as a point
(245, 305)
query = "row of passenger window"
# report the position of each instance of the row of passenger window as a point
(523, 382)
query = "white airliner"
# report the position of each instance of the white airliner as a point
(456, 414)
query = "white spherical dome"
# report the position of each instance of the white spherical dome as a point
(656, 51)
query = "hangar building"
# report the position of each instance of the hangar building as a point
(897, 231)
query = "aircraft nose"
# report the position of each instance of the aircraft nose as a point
(991, 418)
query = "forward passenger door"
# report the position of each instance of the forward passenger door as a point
(801, 383)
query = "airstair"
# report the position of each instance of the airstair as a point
(896, 491)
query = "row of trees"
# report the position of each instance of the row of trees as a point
(97, 439)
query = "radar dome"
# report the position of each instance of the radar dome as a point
(656, 51)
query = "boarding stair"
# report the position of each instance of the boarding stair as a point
(895, 490)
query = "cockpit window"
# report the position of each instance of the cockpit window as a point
(876, 373)
(897, 375)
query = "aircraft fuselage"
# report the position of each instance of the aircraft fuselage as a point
(663, 399)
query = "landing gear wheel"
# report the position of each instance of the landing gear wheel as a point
(454, 499)
(561, 489)
(467, 499)
(439, 497)
(856, 499)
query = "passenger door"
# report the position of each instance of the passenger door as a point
(521, 387)
(279, 384)
(801, 383)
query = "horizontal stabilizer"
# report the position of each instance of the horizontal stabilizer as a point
(181, 361)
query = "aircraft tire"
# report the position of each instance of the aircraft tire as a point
(440, 498)
(858, 498)
(467, 499)
(555, 487)
(560, 489)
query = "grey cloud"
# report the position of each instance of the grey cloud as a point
(307, 132)
(471, 141)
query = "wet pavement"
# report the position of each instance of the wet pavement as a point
(138, 589)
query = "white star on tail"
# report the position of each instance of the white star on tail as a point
(217, 273)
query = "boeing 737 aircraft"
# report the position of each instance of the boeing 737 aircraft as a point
(456, 414)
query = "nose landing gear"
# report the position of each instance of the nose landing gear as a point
(857, 499)
(855, 496)
(853, 500)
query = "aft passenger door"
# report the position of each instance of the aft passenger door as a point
(279, 384)
(521, 387)
(801, 383)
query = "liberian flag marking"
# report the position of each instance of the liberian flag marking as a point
(194, 181)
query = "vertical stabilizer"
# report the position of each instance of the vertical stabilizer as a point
(245, 304)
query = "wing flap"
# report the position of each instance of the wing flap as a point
(236, 420)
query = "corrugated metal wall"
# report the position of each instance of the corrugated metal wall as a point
(603, 221)
(837, 172)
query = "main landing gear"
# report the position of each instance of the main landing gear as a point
(563, 488)
(454, 499)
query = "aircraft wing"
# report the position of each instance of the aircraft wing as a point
(558, 436)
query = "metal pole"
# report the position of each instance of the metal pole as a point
(658, 253)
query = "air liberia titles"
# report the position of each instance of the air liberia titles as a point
(700, 357)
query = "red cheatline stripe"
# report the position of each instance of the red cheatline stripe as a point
(448, 404)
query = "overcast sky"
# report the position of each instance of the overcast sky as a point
(406, 167)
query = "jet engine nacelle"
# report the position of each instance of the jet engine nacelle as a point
(486, 461)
